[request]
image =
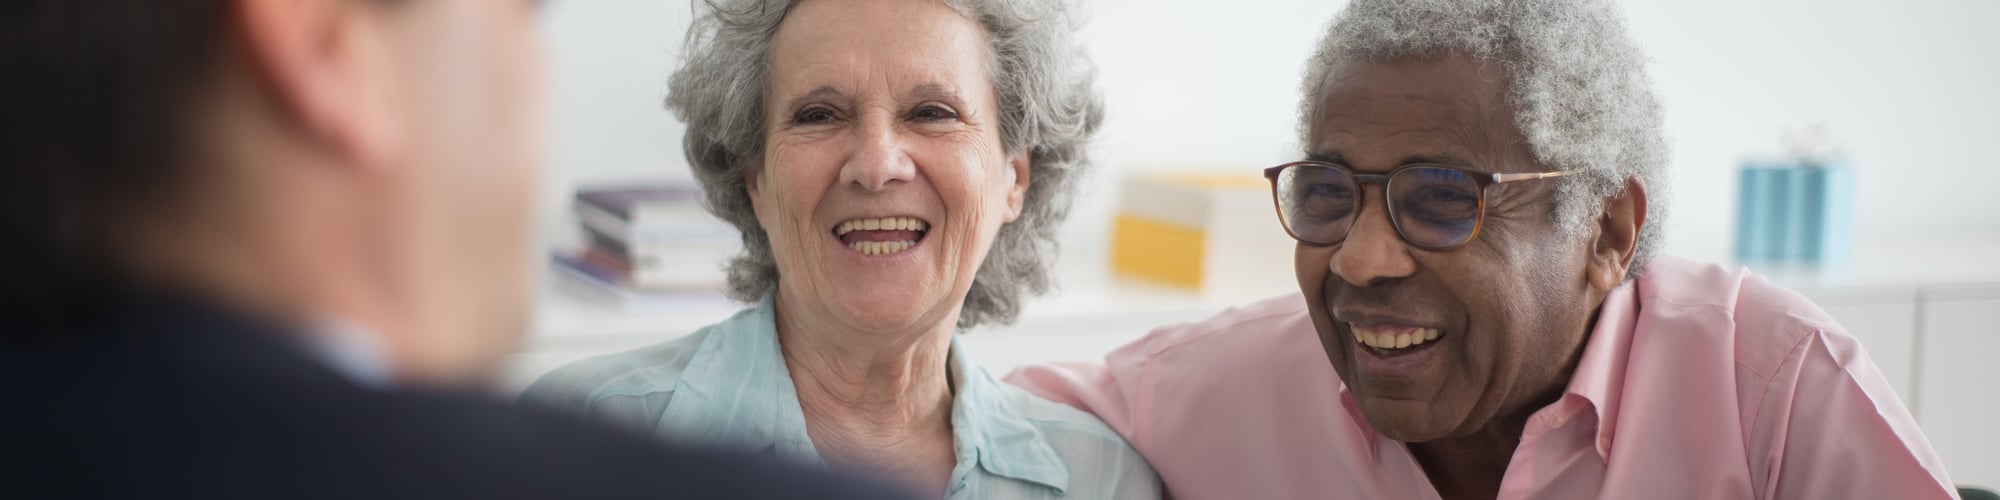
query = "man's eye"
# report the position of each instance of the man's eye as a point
(931, 113)
(813, 115)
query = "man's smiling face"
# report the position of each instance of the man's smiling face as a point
(1507, 311)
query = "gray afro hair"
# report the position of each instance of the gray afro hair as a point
(1576, 81)
(1048, 106)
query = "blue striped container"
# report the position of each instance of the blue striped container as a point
(1760, 210)
(1795, 211)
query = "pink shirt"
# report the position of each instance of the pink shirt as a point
(1697, 382)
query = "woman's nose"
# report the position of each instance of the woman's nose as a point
(880, 159)
(1372, 251)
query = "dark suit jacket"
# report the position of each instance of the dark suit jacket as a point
(169, 398)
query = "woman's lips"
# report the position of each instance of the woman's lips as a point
(881, 236)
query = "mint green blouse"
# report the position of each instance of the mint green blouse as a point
(727, 385)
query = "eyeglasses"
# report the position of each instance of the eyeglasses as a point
(1433, 207)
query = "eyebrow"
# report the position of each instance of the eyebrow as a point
(823, 92)
(1333, 157)
(936, 91)
(932, 91)
(1336, 158)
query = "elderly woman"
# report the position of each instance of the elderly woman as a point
(1481, 314)
(897, 168)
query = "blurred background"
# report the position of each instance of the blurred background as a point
(1903, 91)
(1907, 89)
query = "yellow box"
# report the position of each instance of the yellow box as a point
(1210, 232)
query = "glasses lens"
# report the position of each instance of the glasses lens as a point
(1317, 203)
(1434, 207)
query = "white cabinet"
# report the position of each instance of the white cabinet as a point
(1957, 376)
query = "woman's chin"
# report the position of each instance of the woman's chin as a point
(888, 311)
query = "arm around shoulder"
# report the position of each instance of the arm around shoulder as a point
(1105, 389)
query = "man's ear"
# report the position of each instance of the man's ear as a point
(1617, 236)
(324, 65)
(1017, 194)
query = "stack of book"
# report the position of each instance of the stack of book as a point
(647, 240)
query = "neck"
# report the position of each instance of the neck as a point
(874, 402)
(1470, 466)
(257, 266)
(270, 229)
(891, 382)
(1473, 466)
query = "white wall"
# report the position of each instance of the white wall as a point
(1910, 89)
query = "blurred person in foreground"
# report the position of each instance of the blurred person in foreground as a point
(1481, 314)
(897, 169)
(268, 248)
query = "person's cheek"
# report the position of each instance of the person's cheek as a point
(1310, 266)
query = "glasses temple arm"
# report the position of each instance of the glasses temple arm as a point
(1501, 178)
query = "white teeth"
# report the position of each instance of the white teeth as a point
(881, 224)
(1386, 340)
(881, 247)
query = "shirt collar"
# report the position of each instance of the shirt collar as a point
(1599, 379)
(351, 349)
(993, 433)
(737, 391)
(1600, 374)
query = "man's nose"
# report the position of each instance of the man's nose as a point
(879, 160)
(1372, 251)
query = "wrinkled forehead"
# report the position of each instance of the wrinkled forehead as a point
(850, 43)
(1377, 114)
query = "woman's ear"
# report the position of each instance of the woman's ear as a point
(1617, 236)
(1017, 193)
(751, 177)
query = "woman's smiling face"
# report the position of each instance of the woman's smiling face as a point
(884, 178)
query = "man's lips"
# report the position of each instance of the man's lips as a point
(1391, 337)
(1389, 332)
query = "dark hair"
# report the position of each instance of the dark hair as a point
(95, 128)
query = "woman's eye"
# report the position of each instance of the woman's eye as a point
(931, 113)
(813, 115)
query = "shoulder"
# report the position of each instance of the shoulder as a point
(523, 451)
(651, 371)
(1763, 323)
(1064, 427)
(1241, 327)
(1099, 463)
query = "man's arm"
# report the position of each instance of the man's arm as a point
(1116, 389)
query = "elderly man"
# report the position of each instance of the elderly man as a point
(255, 244)
(1476, 217)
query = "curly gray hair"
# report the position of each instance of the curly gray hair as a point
(1576, 81)
(1048, 107)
